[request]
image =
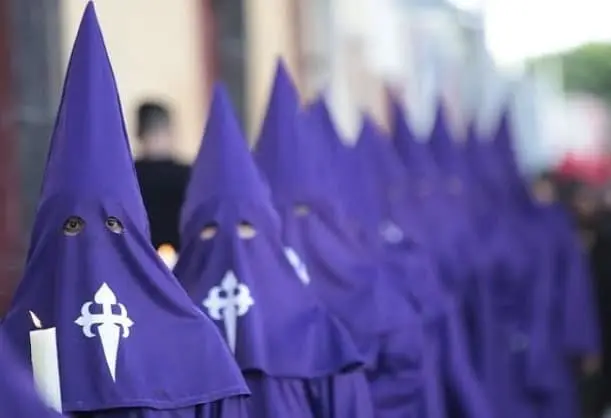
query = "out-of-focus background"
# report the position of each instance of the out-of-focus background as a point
(550, 58)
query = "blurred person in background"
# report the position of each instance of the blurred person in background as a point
(586, 208)
(582, 201)
(162, 179)
(600, 257)
(545, 188)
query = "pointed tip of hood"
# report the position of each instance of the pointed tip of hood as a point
(224, 167)
(89, 155)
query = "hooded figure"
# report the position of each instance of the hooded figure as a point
(17, 394)
(432, 205)
(342, 272)
(513, 267)
(415, 154)
(459, 248)
(335, 153)
(378, 171)
(562, 325)
(130, 342)
(446, 213)
(297, 359)
(447, 208)
(469, 167)
(413, 272)
(319, 113)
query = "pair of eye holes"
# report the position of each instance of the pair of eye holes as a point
(74, 225)
(244, 229)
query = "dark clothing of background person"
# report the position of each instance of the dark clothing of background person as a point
(162, 179)
(582, 202)
(163, 183)
(593, 220)
(600, 257)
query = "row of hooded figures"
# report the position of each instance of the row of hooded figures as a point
(392, 279)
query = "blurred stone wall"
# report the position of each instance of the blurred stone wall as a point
(157, 50)
(29, 90)
(230, 49)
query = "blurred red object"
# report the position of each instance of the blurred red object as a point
(592, 170)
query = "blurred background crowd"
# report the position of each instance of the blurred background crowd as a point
(551, 60)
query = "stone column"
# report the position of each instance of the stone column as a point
(230, 48)
(270, 26)
(37, 78)
(29, 86)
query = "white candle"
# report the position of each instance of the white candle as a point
(45, 364)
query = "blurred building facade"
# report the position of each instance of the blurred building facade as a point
(174, 50)
(351, 49)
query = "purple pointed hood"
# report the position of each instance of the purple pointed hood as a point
(415, 153)
(326, 134)
(503, 141)
(92, 273)
(325, 139)
(470, 150)
(444, 148)
(503, 145)
(481, 160)
(360, 179)
(285, 150)
(398, 225)
(382, 171)
(503, 148)
(234, 265)
(494, 161)
(218, 173)
(474, 173)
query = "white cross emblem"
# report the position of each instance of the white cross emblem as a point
(391, 232)
(298, 265)
(109, 324)
(227, 302)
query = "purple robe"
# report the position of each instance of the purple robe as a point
(298, 360)
(130, 341)
(18, 398)
(342, 272)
